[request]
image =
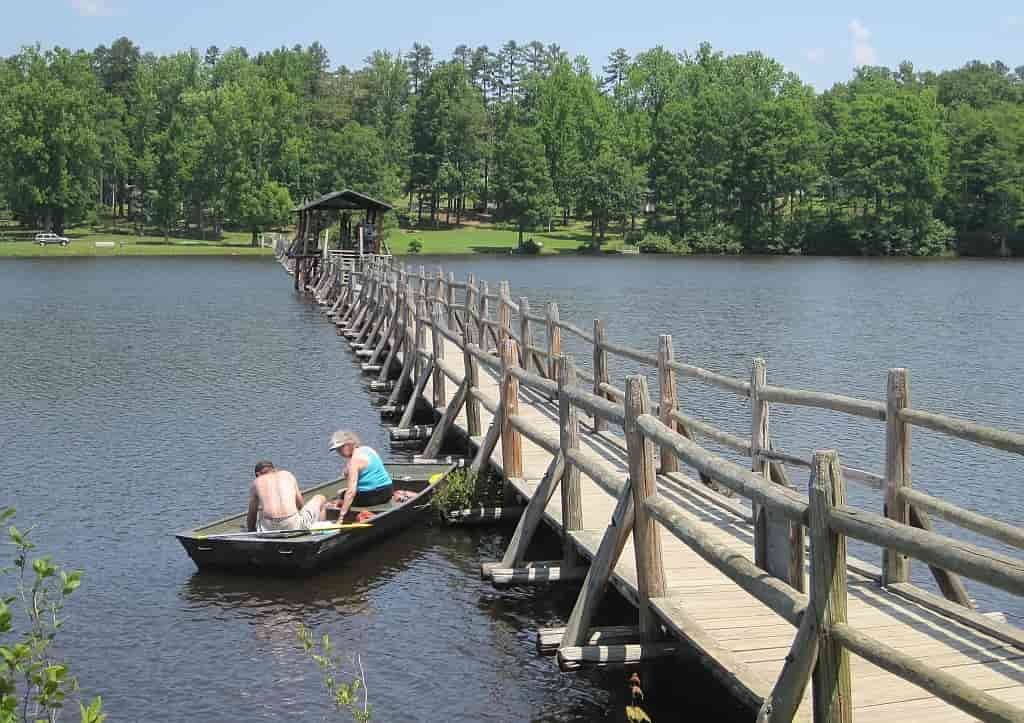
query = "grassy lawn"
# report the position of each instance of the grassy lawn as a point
(470, 239)
(491, 240)
(83, 243)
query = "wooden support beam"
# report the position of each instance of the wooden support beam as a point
(548, 639)
(534, 513)
(650, 570)
(504, 315)
(452, 318)
(600, 372)
(573, 658)
(447, 420)
(786, 539)
(525, 333)
(788, 693)
(482, 313)
(895, 565)
(415, 432)
(511, 441)
(417, 392)
(554, 340)
(408, 364)
(569, 439)
(833, 699)
(484, 515)
(472, 376)
(437, 342)
(396, 344)
(420, 337)
(759, 465)
(949, 583)
(668, 399)
(601, 568)
(536, 573)
(489, 442)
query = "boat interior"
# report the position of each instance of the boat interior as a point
(414, 478)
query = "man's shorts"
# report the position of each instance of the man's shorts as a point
(301, 520)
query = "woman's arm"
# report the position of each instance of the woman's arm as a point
(355, 465)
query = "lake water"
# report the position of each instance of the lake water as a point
(137, 393)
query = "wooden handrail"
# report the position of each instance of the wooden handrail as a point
(721, 381)
(771, 591)
(1005, 533)
(595, 405)
(630, 353)
(731, 441)
(821, 400)
(736, 478)
(971, 431)
(941, 551)
(534, 381)
(566, 326)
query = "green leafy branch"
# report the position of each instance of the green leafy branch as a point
(34, 685)
(346, 687)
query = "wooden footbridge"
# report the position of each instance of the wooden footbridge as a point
(732, 563)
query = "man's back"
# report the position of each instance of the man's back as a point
(277, 492)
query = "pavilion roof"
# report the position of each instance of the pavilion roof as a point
(346, 199)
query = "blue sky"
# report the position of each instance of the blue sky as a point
(820, 41)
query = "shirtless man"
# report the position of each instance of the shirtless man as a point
(276, 497)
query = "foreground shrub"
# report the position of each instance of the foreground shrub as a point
(34, 683)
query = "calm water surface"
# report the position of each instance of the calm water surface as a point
(136, 395)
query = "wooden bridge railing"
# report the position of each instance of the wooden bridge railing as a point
(417, 304)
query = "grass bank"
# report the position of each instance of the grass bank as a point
(84, 243)
(469, 239)
(494, 240)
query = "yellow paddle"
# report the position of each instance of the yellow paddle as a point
(272, 534)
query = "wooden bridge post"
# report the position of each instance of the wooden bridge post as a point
(410, 355)
(437, 341)
(525, 333)
(511, 441)
(482, 312)
(452, 324)
(668, 399)
(398, 333)
(759, 465)
(439, 291)
(420, 345)
(554, 340)
(650, 569)
(600, 371)
(472, 371)
(569, 438)
(504, 314)
(833, 701)
(469, 302)
(896, 565)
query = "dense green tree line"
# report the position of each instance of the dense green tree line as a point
(700, 151)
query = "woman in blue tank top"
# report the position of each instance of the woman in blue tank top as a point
(368, 480)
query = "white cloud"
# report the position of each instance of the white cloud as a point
(90, 8)
(815, 55)
(863, 52)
